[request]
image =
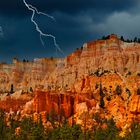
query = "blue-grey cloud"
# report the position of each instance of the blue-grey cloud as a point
(17, 8)
(77, 21)
(1, 32)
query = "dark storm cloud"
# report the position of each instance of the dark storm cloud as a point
(12, 8)
(77, 21)
(1, 32)
(17, 8)
(75, 6)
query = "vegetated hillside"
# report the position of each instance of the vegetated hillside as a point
(94, 84)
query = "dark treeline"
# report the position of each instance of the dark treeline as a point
(136, 39)
(30, 130)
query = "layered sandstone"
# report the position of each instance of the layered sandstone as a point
(71, 86)
(57, 74)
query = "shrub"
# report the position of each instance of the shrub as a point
(138, 91)
(118, 90)
(111, 133)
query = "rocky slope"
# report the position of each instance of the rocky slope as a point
(100, 78)
(55, 74)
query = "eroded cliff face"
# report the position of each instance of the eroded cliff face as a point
(85, 99)
(24, 75)
(72, 86)
(60, 74)
(111, 54)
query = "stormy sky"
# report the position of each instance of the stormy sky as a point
(77, 21)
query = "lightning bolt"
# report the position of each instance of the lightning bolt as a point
(41, 33)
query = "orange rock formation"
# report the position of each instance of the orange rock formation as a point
(71, 86)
